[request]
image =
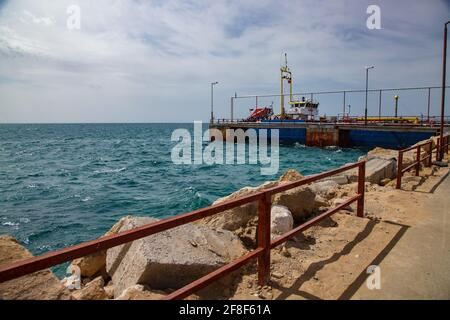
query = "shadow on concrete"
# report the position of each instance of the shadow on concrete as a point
(433, 188)
(316, 266)
(352, 288)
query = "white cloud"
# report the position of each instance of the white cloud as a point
(153, 61)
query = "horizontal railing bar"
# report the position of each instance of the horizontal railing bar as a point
(311, 178)
(412, 165)
(311, 222)
(415, 146)
(213, 276)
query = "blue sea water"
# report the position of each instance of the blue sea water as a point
(61, 184)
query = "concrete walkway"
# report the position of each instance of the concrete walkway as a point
(418, 266)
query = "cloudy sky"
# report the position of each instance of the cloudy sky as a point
(153, 61)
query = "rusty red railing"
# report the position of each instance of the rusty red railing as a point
(262, 252)
(419, 159)
(444, 147)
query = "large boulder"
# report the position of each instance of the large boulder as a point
(377, 169)
(300, 201)
(326, 189)
(41, 285)
(389, 154)
(170, 259)
(281, 221)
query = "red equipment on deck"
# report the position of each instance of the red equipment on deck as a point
(260, 113)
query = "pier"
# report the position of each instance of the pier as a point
(300, 121)
(386, 135)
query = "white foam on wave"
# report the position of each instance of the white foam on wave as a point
(14, 225)
(299, 145)
(110, 170)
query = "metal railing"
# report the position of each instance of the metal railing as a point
(262, 252)
(346, 95)
(418, 158)
(433, 121)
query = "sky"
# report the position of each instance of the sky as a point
(154, 61)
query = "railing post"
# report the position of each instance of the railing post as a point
(361, 189)
(428, 106)
(446, 144)
(438, 147)
(264, 206)
(418, 161)
(232, 108)
(399, 169)
(430, 154)
(379, 107)
(343, 108)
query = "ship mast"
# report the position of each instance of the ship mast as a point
(285, 74)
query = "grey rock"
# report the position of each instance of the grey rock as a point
(281, 221)
(168, 259)
(300, 201)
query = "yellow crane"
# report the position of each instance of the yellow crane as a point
(286, 74)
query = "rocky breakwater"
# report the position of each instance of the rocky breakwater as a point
(151, 267)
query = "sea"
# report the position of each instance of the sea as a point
(62, 184)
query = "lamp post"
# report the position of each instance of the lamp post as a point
(396, 105)
(212, 100)
(444, 67)
(367, 90)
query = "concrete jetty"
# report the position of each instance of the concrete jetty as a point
(393, 136)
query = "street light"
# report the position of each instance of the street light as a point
(396, 105)
(444, 67)
(212, 100)
(367, 90)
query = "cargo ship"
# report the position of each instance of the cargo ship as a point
(300, 110)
